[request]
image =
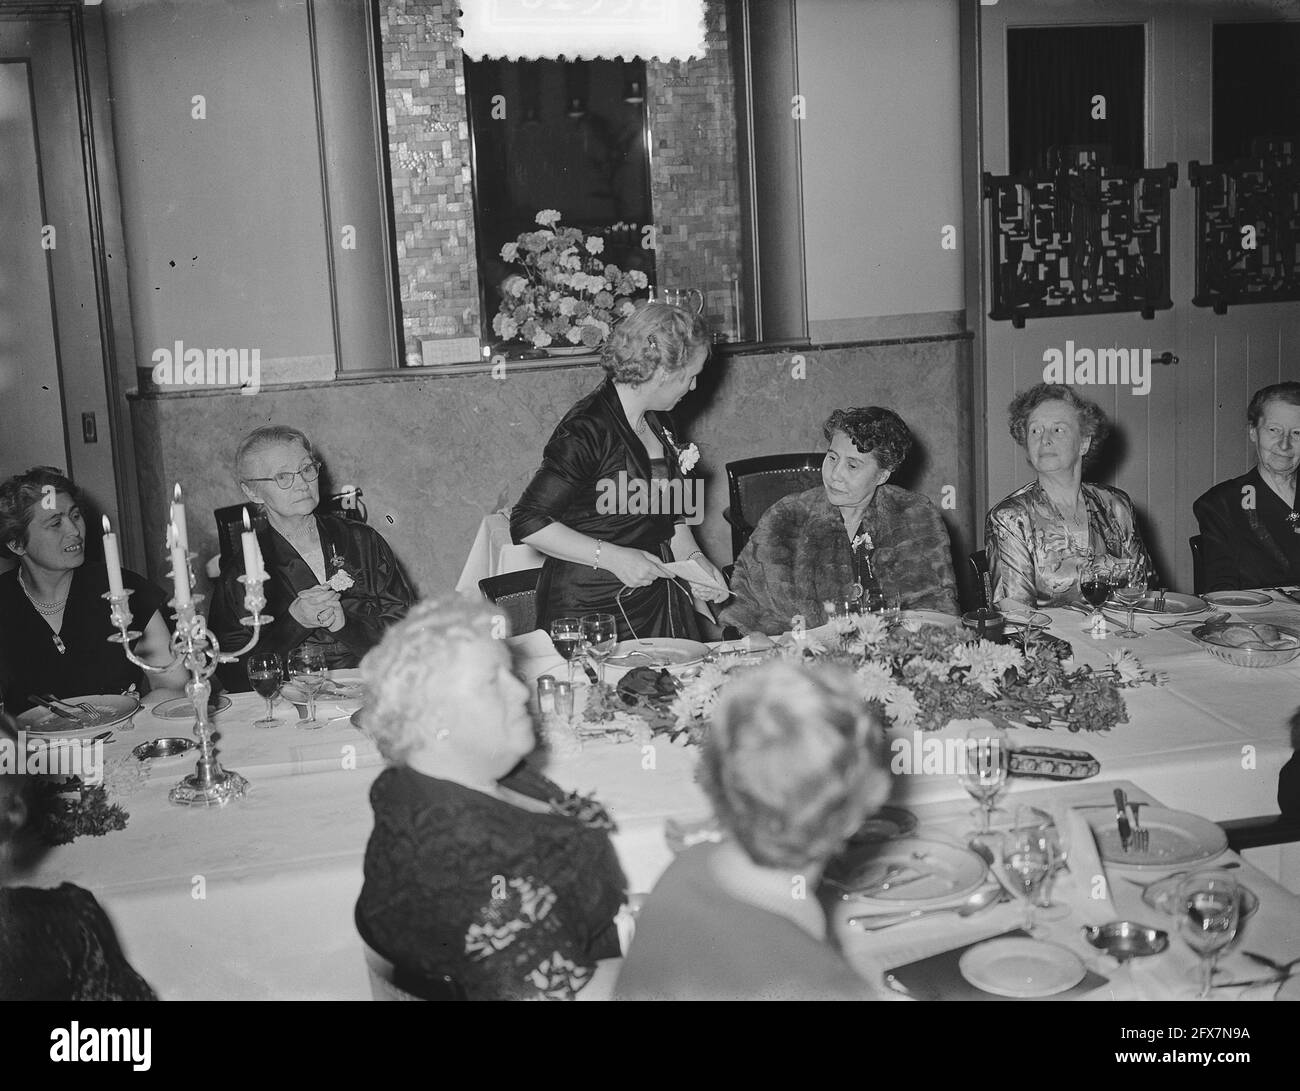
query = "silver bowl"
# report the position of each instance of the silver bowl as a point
(163, 748)
(1124, 940)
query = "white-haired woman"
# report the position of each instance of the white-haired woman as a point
(793, 766)
(476, 869)
(586, 508)
(332, 581)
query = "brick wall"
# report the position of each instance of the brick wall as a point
(694, 181)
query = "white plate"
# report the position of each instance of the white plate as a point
(659, 652)
(1021, 967)
(948, 871)
(116, 708)
(1177, 838)
(182, 708)
(1238, 600)
(914, 619)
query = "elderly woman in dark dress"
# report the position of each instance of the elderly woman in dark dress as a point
(1039, 536)
(600, 558)
(55, 944)
(478, 868)
(54, 624)
(852, 535)
(332, 581)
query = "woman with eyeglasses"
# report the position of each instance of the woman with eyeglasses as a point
(331, 581)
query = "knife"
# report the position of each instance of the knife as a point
(1121, 819)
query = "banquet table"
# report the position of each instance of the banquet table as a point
(255, 900)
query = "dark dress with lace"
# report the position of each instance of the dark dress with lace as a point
(592, 449)
(81, 661)
(513, 904)
(59, 945)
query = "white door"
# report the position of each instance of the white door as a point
(1188, 430)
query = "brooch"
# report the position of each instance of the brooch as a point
(339, 581)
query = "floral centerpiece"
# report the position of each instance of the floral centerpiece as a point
(566, 296)
(923, 679)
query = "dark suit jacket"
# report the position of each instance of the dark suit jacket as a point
(378, 597)
(1237, 549)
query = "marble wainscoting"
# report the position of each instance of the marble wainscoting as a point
(434, 453)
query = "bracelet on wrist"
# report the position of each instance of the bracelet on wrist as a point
(596, 563)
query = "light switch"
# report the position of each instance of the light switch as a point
(89, 433)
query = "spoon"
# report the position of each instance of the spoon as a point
(1214, 618)
(977, 902)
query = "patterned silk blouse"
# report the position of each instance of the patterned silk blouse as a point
(800, 556)
(1032, 557)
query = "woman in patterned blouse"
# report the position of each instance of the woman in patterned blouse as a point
(853, 535)
(1038, 537)
(478, 869)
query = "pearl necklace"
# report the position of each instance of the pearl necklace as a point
(48, 609)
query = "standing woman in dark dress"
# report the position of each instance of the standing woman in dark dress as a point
(54, 624)
(618, 442)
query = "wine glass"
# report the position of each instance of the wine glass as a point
(566, 634)
(984, 761)
(307, 671)
(1130, 585)
(264, 675)
(1053, 842)
(601, 634)
(1025, 864)
(1094, 585)
(1210, 907)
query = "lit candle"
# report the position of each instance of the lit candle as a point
(113, 559)
(178, 521)
(180, 568)
(252, 553)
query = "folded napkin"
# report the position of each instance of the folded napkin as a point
(534, 645)
(702, 583)
(1086, 886)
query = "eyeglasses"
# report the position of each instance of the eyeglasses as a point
(310, 471)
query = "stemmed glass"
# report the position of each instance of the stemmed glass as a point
(265, 677)
(985, 759)
(1026, 861)
(308, 672)
(601, 634)
(1094, 585)
(1053, 842)
(1210, 908)
(1130, 584)
(566, 634)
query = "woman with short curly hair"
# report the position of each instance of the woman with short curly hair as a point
(612, 503)
(478, 868)
(793, 765)
(1039, 536)
(852, 536)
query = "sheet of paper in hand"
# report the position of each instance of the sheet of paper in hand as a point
(702, 584)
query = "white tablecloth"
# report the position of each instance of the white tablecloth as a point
(493, 553)
(255, 900)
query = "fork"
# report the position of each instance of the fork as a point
(1141, 837)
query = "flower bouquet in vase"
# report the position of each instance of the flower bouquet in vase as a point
(566, 299)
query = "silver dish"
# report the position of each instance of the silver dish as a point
(1124, 940)
(163, 748)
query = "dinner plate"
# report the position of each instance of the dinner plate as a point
(935, 872)
(914, 619)
(1177, 838)
(886, 824)
(1174, 604)
(115, 707)
(1162, 895)
(1238, 600)
(182, 708)
(663, 651)
(1021, 967)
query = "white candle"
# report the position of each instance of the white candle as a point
(252, 554)
(178, 521)
(113, 559)
(180, 568)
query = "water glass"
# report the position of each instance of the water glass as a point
(1025, 864)
(983, 773)
(601, 634)
(307, 671)
(1210, 907)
